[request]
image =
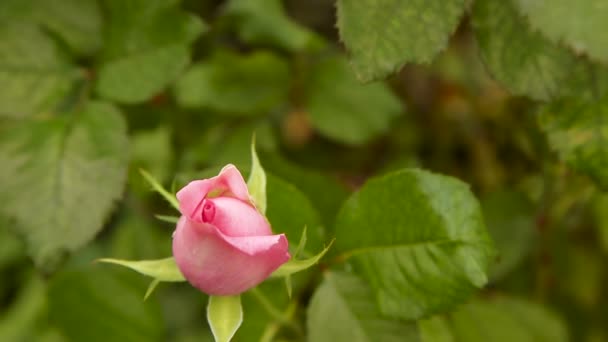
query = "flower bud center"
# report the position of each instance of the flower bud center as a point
(208, 212)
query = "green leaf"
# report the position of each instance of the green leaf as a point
(267, 307)
(324, 194)
(510, 219)
(344, 110)
(235, 85)
(138, 77)
(69, 171)
(35, 75)
(294, 266)
(418, 238)
(170, 198)
(225, 315)
(18, 321)
(265, 22)
(343, 309)
(383, 35)
(162, 269)
(141, 57)
(435, 329)
(520, 58)
(504, 319)
(289, 211)
(151, 150)
(581, 24)
(257, 181)
(578, 131)
(599, 209)
(95, 305)
(77, 22)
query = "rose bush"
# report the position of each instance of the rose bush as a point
(222, 244)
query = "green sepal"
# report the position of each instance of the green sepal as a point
(294, 266)
(156, 186)
(257, 181)
(167, 218)
(162, 269)
(225, 315)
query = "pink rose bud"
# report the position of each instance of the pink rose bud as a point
(222, 244)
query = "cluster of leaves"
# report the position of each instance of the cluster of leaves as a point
(509, 96)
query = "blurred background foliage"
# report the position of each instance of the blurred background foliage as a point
(188, 83)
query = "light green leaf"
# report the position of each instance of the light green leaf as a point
(504, 319)
(162, 269)
(103, 305)
(418, 238)
(579, 24)
(265, 22)
(383, 35)
(294, 266)
(257, 181)
(141, 57)
(343, 308)
(234, 84)
(578, 131)
(35, 75)
(225, 315)
(159, 188)
(523, 60)
(342, 109)
(70, 171)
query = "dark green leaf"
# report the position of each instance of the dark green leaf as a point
(61, 177)
(383, 35)
(325, 193)
(96, 305)
(418, 238)
(343, 309)
(342, 109)
(289, 211)
(233, 84)
(520, 58)
(510, 220)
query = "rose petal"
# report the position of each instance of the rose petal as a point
(224, 265)
(228, 182)
(234, 217)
